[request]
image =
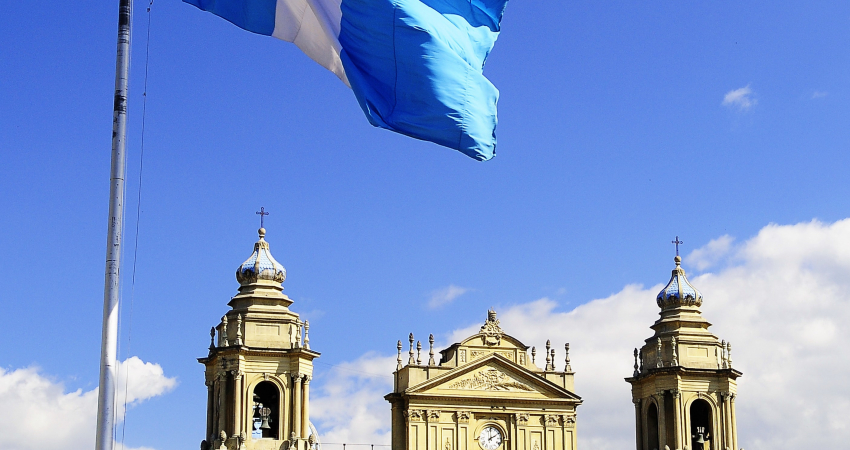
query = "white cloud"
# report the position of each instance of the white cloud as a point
(711, 253)
(819, 94)
(741, 98)
(782, 300)
(446, 295)
(349, 406)
(37, 413)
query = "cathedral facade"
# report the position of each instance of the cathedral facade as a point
(485, 393)
(683, 385)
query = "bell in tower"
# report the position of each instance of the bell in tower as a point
(259, 366)
(683, 385)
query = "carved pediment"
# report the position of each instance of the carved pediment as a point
(489, 379)
(492, 375)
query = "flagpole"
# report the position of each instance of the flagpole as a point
(114, 239)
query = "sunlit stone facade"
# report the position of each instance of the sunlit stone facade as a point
(484, 393)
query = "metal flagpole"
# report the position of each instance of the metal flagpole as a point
(114, 239)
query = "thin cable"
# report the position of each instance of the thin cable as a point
(138, 217)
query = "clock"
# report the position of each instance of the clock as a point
(490, 438)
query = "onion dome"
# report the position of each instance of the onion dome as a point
(260, 265)
(678, 292)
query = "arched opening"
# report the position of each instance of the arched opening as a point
(701, 425)
(266, 418)
(652, 426)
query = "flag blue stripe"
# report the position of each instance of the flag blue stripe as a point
(252, 15)
(416, 68)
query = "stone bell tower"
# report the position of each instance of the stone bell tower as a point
(683, 385)
(259, 365)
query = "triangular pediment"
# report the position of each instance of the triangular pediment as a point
(492, 376)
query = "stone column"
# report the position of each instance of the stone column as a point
(662, 421)
(296, 408)
(221, 406)
(677, 418)
(305, 408)
(729, 441)
(210, 409)
(734, 421)
(638, 427)
(237, 402)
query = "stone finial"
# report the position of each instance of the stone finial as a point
(658, 361)
(307, 334)
(239, 329)
(548, 357)
(636, 363)
(553, 358)
(640, 358)
(533, 354)
(567, 367)
(431, 361)
(411, 361)
(398, 366)
(223, 333)
(212, 338)
(298, 334)
(418, 353)
(723, 358)
(729, 354)
(675, 354)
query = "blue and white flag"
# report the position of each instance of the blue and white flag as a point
(415, 66)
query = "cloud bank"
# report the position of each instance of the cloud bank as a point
(782, 298)
(36, 413)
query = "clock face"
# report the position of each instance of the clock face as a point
(490, 438)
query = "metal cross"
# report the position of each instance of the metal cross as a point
(677, 242)
(262, 212)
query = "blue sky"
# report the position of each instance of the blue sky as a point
(613, 138)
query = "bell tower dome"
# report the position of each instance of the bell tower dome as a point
(683, 385)
(259, 365)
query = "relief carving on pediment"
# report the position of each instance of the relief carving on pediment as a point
(490, 379)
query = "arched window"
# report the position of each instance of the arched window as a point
(652, 426)
(701, 425)
(266, 419)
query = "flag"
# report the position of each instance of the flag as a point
(415, 66)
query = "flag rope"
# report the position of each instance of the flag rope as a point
(138, 218)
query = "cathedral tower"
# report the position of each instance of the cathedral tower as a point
(259, 365)
(683, 385)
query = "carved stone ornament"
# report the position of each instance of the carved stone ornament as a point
(569, 420)
(414, 415)
(522, 418)
(433, 414)
(551, 419)
(448, 445)
(266, 377)
(463, 416)
(462, 356)
(492, 333)
(535, 445)
(490, 379)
